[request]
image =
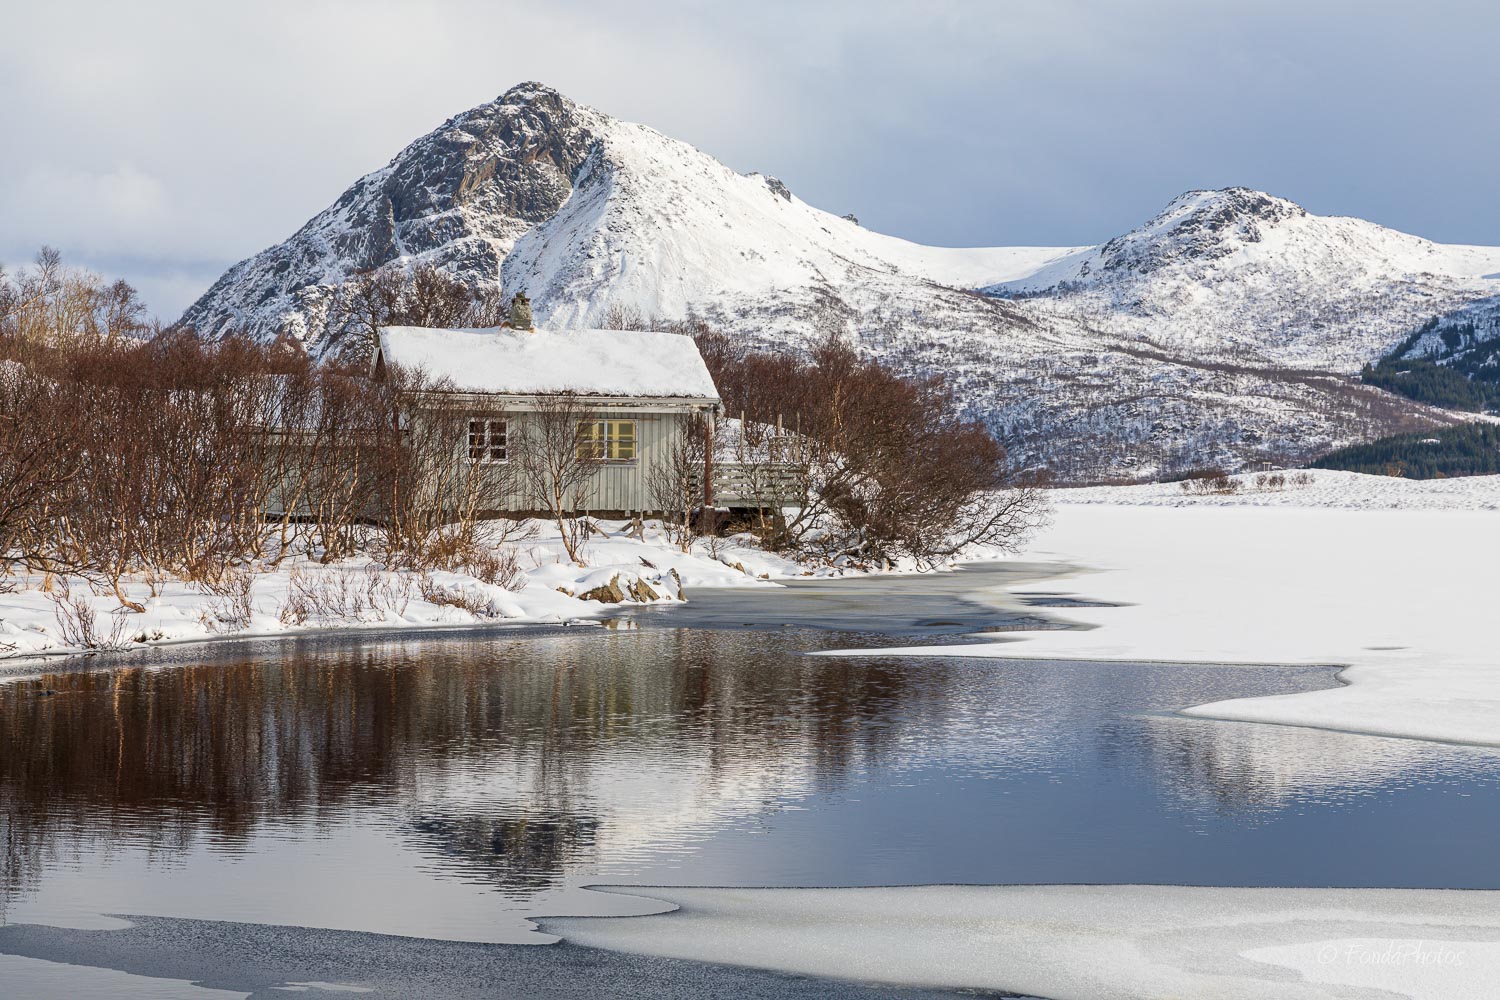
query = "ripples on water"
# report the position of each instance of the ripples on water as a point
(445, 786)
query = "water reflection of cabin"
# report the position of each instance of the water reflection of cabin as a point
(640, 390)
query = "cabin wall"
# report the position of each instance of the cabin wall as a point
(615, 487)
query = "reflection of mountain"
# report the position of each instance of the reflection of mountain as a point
(1249, 769)
(521, 853)
(510, 762)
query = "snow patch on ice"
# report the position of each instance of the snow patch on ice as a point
(1085, 942)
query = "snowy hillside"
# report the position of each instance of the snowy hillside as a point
(667, 229)
(1223, 332)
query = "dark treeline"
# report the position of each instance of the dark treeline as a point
(1462, 374)
(1466, 450)
(1436, 384)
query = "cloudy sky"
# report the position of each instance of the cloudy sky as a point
(162, 141)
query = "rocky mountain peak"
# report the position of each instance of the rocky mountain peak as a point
(458, 197)
(1199, 226)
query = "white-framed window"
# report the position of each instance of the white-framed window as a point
(607, 440)
(487, 437)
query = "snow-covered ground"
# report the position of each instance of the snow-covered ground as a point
(1087, 942)
(374, 599)
(1323, 489)
(1393, 579)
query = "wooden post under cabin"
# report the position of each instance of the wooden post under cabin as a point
(708, 465)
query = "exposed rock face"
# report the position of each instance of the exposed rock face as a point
(630, 586)
(1199, 225)
(458, 198)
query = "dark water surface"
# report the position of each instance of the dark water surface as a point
(445, 786)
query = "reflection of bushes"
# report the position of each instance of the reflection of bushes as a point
(224, 746)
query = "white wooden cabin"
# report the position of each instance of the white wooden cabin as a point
(640, 388)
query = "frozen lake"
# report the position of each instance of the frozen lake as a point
(451, 785)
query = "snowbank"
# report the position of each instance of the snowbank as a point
(366, 596)
(1086, 942)
(1404, 597)
(623, 567)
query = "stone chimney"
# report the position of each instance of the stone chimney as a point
(520, 313)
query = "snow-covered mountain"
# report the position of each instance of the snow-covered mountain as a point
(1239, 273)
(1224, 331)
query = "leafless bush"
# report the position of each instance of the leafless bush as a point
(1210, 482)
(442, 469)
(675, 482)
(887, 468)
(230, 608)
(78, 621)
(497, 566)
(416, 295)
(54, 305)
(342, 594)
(477, 604)
(625, 317)
(1270, 482)
(555, 466)
(387, 592)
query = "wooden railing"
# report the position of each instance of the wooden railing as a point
(756, 484)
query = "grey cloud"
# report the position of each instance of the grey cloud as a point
(163, 141)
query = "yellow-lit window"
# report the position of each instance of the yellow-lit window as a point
(607, 440)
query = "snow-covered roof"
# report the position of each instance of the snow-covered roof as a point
(520, 362)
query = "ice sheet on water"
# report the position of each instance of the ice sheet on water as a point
(1086, 942)
(1403, 598)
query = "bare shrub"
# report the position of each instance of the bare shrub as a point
(477, 604)
(78, 621)
(1303, 479)
(1270, 482)
(230, 608)
(442, 468)
(555, 466)
(341, 594)
(39, 457)
(675, 482)
(387, 592)
(410, 295)
(887, 467)
(54, 305)
(496, 566)
(625, 317)
(1210, 482)
(295, 608)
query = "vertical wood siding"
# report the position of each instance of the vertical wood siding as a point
(615, 486)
